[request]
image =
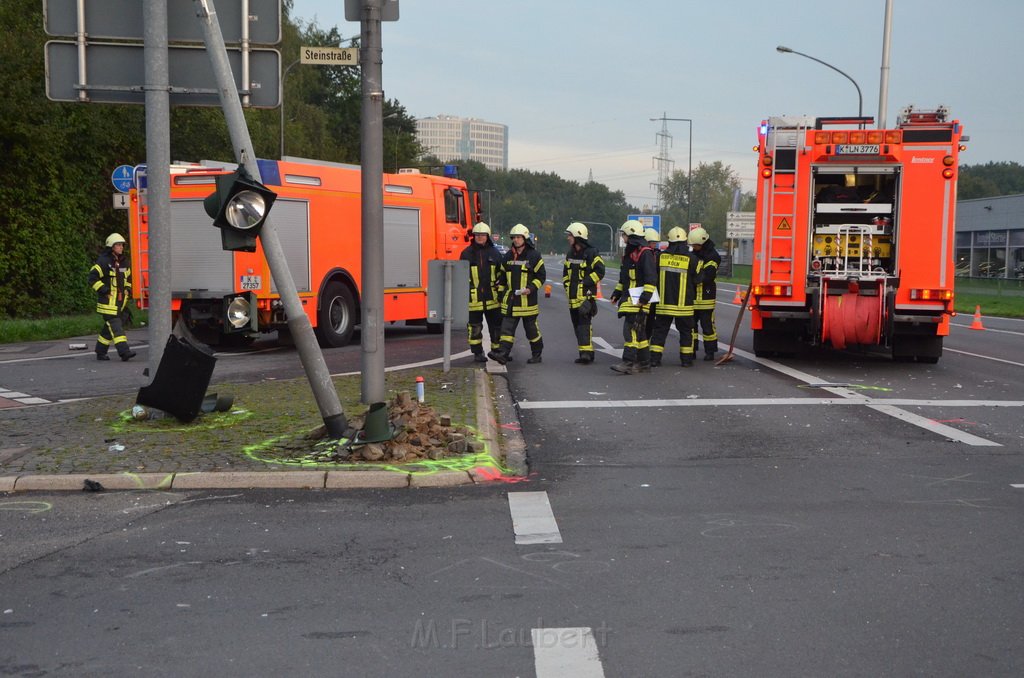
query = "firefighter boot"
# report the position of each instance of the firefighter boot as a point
(625, 367)
(102, 356)
(586, 357)
(642, 367)
(127, 355)
(479, 357)
(709, 356)
(655, 360)
(499, 356)
(533, 359)
(686, 361)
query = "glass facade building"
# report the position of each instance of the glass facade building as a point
(451, 139)
(990, 237)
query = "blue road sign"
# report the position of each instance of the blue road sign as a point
(648, 220)
(123, 178)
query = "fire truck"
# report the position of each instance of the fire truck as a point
(854, 234)
(317, 216)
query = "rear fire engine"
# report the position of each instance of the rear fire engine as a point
(854, 234)
(317, 215)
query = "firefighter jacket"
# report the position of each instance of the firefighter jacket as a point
(707, 269)
(677, 273)
(484, 262)
(582, 271)
(638, 269)
(111, 278)
(518, 271)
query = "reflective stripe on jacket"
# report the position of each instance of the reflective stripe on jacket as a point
(111, 278)
(520, 271)
(677, 268)
(483, 275)
(581, 273)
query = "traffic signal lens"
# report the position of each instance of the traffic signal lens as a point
(245, 210)
(239, 312)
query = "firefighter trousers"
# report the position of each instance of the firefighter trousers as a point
(704, 322)
(509, 324)
(111, 333)
(476, 329)
(684, 325)
(582, 326)
(636, 346)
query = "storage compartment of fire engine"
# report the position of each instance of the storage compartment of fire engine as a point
(854, 223)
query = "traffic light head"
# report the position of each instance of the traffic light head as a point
(238, 208)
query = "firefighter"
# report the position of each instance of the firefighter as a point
(521, 277)
(637, 284)
(484, 260)
(111, 278)
(581, 274)
(653, 239)
(677, 289)
(704, 305)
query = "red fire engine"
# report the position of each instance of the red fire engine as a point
(317, 215)
(854, 234)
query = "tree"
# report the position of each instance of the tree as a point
(990, 180)
(713, 187)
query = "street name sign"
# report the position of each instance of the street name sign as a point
(329, 56)
(122, 20)
(115, 73)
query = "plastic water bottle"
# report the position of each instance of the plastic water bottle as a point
(420, 391)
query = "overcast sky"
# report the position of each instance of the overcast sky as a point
(577, 81)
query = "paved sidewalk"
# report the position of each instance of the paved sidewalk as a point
(27, 462)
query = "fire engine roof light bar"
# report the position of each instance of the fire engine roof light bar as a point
(860, 98)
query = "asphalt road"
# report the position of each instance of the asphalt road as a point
(680, 523)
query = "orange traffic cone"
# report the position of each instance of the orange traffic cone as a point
(737, 299)
(547, 290)
(976, 325)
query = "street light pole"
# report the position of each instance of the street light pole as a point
(860, 99)
(490, 214)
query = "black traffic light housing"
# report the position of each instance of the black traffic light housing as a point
(239, 207)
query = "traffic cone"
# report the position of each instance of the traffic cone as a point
(976, 325)
(737, 299)
(599, 295)
(547, 290)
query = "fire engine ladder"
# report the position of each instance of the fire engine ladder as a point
(783, 205)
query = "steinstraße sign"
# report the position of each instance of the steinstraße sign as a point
(739, 225)
(329, 56)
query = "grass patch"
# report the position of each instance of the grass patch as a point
(14, 330)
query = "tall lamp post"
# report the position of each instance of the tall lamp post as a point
(490, 214)
(860, 99)
(285, 75)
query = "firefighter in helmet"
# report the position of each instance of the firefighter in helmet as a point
(111, 279)
(638, 281)
(581, 274)
(653, 239)
(677, 289)
(484, 304)
(708, 260)
(521, 277)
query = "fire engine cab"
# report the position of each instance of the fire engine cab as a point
(854, 234)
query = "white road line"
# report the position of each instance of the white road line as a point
(1019, 487)
(760, 402)
(566, 653)
(532, 519)
(604, 347)
(985, 357)
(987, 329)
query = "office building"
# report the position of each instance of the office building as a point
(451, 139)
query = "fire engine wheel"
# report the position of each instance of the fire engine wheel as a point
(336, 318)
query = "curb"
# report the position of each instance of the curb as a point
(486, 405)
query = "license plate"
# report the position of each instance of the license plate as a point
(251, 282)
(857, 149)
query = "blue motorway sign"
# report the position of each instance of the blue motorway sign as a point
(648, 220)
(123, 178)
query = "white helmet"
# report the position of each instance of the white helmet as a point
(519, 229)
(577, 230)
(698, 236)
(632, 227)
(650, 235)
(481, 227)
(677, 234)
(114, 238)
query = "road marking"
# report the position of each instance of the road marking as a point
(986, 357)
(16, 398)
(565, 653)
(532, 519)
(604, 347)
(988, 329)
(1019, 487)
(757, 402)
